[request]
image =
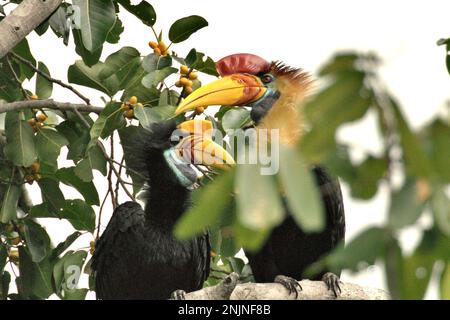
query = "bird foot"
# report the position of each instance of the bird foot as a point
(178, 295)
(289, 283)
(333, 283)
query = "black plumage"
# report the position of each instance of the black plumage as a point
(289, 251)
(137, 256)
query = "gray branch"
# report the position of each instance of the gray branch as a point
(229, 289)
(48, 104)
(25, 18)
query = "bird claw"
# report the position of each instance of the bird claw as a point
(289, 283)
(178, 295)
(333, 283)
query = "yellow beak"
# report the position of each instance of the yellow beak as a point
(234, 90)
(199, 148)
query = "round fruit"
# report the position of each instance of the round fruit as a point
(41, 117)
(184, 81)
(199, 110)
(153, 44)
(31, 121)
(157, 51)
(129, 114)
(193, 76)
(133, 100)
(35, 167)
(178, 84)
(34, 97)
(184, 69)
(188, 90)
(162, 46)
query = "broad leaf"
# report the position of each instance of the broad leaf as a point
(154, 62)
(148, 116)
(11, 195)
(121, 66)
(20, 147)
(86, 189)
(236, 119)
(48, 144)
(110, 119)
(81, 74)
(35, 278)
(143, 11)
(44, 87)
(94, 160)
(406, 206)
(183, 28)
(97, 17)
(153, 78)
(38, 241)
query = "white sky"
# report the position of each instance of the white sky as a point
(302, 34)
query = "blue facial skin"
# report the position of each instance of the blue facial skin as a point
(185, 175)
(260, 107)
(263, 105)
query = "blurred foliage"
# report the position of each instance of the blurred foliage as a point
(247, 205)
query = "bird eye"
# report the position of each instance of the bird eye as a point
(267, 78)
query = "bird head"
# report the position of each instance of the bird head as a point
(191, 145)
(249, 80)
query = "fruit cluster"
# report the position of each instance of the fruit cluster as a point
(37, 121)
(129, 106)
(33, 173)
(92, 247)
(159, 48)
(186, 78)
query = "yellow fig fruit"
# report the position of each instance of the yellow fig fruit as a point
(31, 121)
(133, 100)
(184, 69)
(153, 44)
(199, 110)
(188, 90)
(184, 81)
(35, 167)
(129, 114)
(41, 117)
(193, 76)
(34, 97)
(157, 51)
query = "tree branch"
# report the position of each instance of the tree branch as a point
(229, 289)
(25, 18)
(49, 104)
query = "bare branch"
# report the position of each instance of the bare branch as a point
(49, 104)
(312, 290)
(25, 18)
(49, 78)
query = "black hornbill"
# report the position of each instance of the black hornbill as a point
(274, 93)
(137, 257)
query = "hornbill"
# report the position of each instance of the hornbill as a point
(137, 257)
(274, 91)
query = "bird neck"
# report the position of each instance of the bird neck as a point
(285, 115)
(166, 199)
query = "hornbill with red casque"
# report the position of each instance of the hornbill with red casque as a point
(137, 256)
(274, 93)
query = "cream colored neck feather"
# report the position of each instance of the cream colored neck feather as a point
(285, 114)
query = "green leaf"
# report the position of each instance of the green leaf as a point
(440, 205)
(97, 18)
(59, 23)
(110, 119)
(5, 279)
(135, 88)
(114, 34)
(10, 200)
(52, 195)
(405, 207)
(440, 149)
(94, 160)
(154, 62)
(20, 147)
(248, 238)
(304, 200)
(155, 77)
(66, 273)
(143, 11)
(89, 58)
(258, 200)
(445, 283)
(367, 176)
(183, 28)
(63, 246)
(35, 278)
(86, 189)
(44, 87)
(148, 116)
(78, 137)
(364, 249)
(23, 50)
(79, 214)
(48, 144)
(38, 241)
(121, 66)
(81, 74)
(3, 257)
(203, 215)
(9, 90)
(236, 119)
(417, 163)
(197, 60)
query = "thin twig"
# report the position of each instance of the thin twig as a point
(16, 78)
(110, 185)
(48, 104)
(100, 215)
(49, 78)
(116, 191)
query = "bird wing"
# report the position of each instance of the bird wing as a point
(117, 240)
(202, 258)
(334, 204)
